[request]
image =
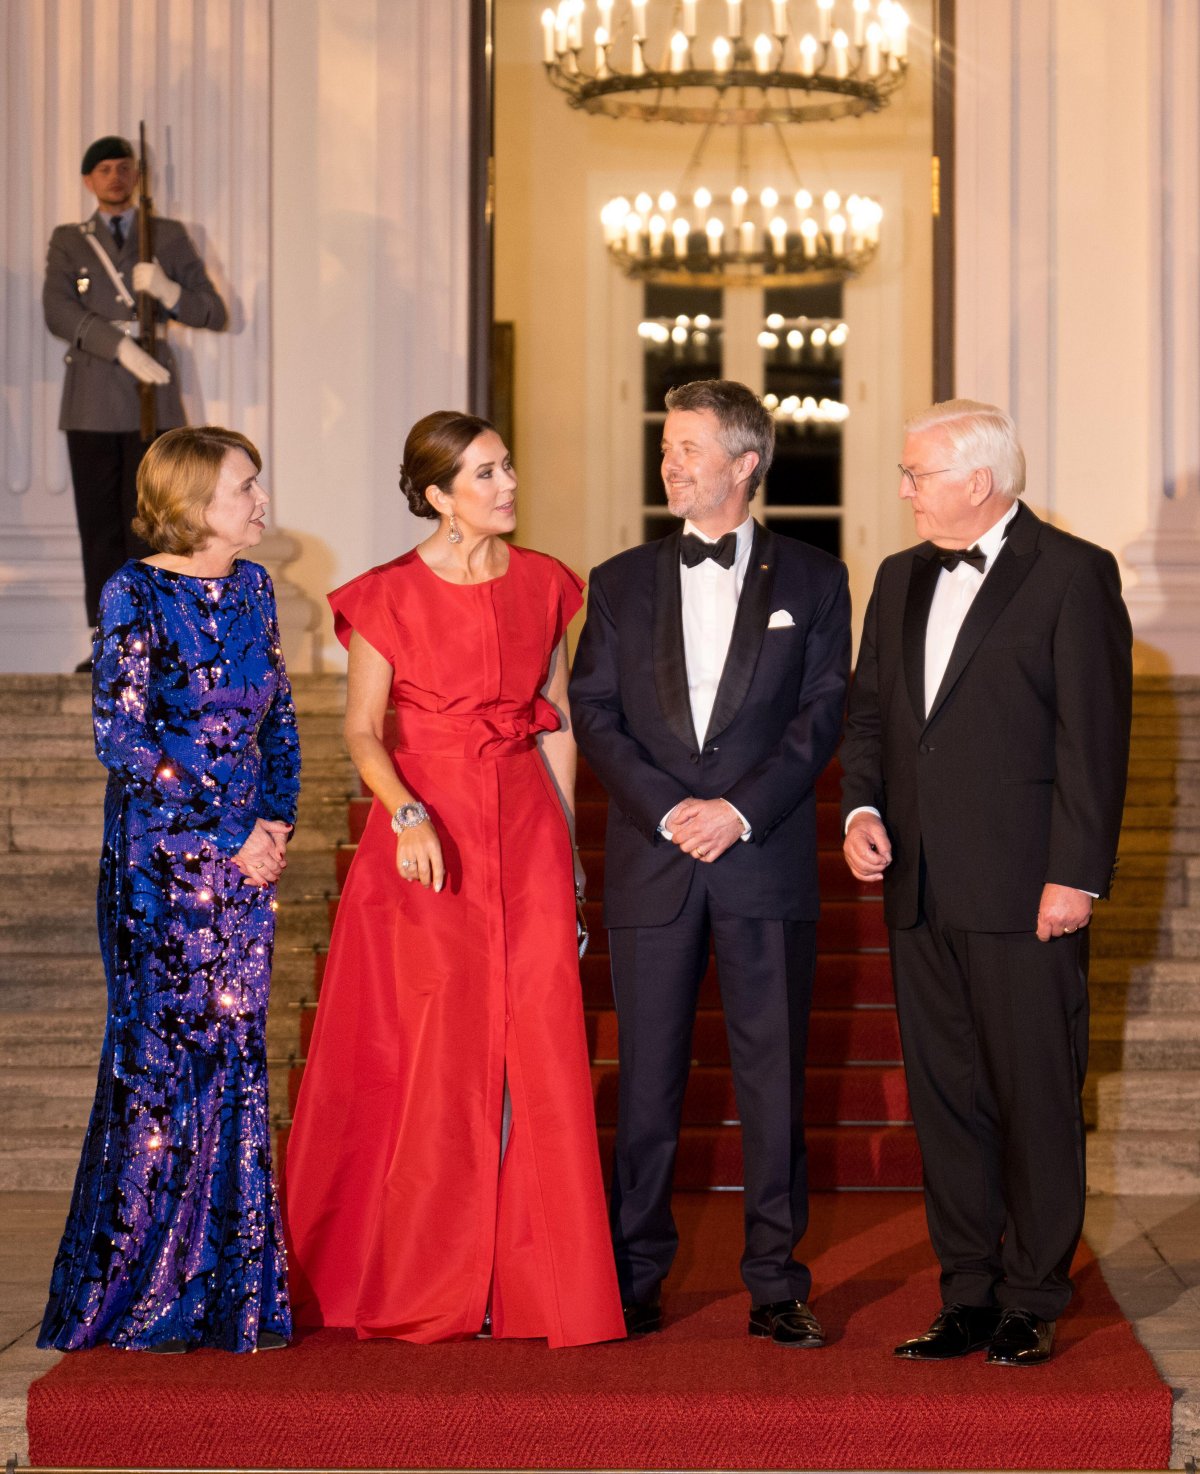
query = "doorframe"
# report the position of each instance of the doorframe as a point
(942, 197)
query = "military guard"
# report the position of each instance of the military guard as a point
(93, 276)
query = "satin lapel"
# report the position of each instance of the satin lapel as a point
(922, 580)
(749, 627)
(670, 662)
(1005, 577)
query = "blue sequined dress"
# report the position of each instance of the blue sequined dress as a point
(174, 1228)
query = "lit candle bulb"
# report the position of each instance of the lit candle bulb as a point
(577, 25)
(819, 336)
(738, 200)
(722, 52)
(808, 55)
(767, 340)
(666, 205)
(658, 230)
(769, 199)
(841, 54)
(831, 200)
(714, 229)
(779, 16)
(702, 198)
(689, 19)
(824, 20)
(601, 52)
(778, 229)
(746, 237)
(795, 341)
(803, 204)
(874, 44)
(775, 321)
(874, 217)
(679, 230)
(899, 32)
(633, 233)
(679, 51)
(643, 204)
(735, 18)
(861, 7)
(763, 47)
(639, 19)
(808, 234)
(637, 61)
(837, 234)
(548, 27)
(605, 7)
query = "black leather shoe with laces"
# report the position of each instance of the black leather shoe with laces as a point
(787, 1323)
(957, 1330)
(1021, 1340)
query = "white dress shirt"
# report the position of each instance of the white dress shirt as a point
(710, 596)
(953, 595)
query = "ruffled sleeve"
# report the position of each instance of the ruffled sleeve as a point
(363, 605)
(566, 599)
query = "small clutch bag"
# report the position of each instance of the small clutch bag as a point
(581, 926)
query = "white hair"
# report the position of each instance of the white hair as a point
(982, 436)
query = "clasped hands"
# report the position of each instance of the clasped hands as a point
(263, 858)
(704, 828)
(868, 851)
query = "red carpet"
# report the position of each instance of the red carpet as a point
(700, 1395)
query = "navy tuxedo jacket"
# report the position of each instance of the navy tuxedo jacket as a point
(1016, 777)
(774, 726)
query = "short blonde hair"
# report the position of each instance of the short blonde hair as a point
(176, 482)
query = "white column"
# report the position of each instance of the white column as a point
(199, 75)
(369, 269)
(1078, 277)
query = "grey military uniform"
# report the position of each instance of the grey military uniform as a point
(82, 306)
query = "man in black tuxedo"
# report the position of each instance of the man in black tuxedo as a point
(984, 775)
(707, 694)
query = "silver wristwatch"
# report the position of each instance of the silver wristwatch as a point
(408, 816)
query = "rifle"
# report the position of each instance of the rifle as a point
(145, 307)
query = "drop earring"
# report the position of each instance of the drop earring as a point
(455, 533)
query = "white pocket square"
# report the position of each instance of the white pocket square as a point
(781, 620)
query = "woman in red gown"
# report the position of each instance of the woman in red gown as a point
(443, 1164)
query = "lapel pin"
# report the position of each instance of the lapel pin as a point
(764, 567)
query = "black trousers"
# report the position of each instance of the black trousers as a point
(104, 467)
(765, 969)
(994, 1028)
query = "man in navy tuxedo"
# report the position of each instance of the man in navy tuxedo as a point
(707, 695)
(984, 775)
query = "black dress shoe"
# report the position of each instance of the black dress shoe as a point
(271, 1341)
(957, 1330)
(641, 1318)
(1021, 1340)
(484, 1333)
(788, 1323)
(84, 668)
(172, 1347)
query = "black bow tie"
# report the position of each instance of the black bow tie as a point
(950, 558)
(693, 550)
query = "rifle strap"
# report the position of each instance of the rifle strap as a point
(107, 262)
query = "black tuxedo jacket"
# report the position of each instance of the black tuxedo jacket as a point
(1017, 776)
(774, 726)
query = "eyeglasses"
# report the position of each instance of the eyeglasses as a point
(912, 477)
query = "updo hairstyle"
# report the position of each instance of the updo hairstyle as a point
(176, 482)
(433, 455)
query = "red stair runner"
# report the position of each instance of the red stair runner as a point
(860, 1133)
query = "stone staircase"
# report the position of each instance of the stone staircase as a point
(52, 994)
(1143, 1095)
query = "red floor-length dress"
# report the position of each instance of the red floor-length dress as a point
(401, 1217)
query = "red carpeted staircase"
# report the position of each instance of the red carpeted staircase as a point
(860, 1133)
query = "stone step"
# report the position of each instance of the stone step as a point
(1143, 1162)
(1144, 1100)
(1144, 1042)
(42, 1161)
(1130, 931)
(1126, 985)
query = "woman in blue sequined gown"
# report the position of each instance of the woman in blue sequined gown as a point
(173, 1238)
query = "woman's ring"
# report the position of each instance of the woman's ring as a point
(406, 864)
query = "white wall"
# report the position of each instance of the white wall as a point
(1078, 223)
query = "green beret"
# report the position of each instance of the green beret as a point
(111, 147)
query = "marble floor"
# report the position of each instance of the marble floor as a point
(1149, 1248)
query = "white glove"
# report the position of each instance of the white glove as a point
(148, 276)
(145, 370)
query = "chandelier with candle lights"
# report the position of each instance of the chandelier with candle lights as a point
(713, 240)
(656, 60)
